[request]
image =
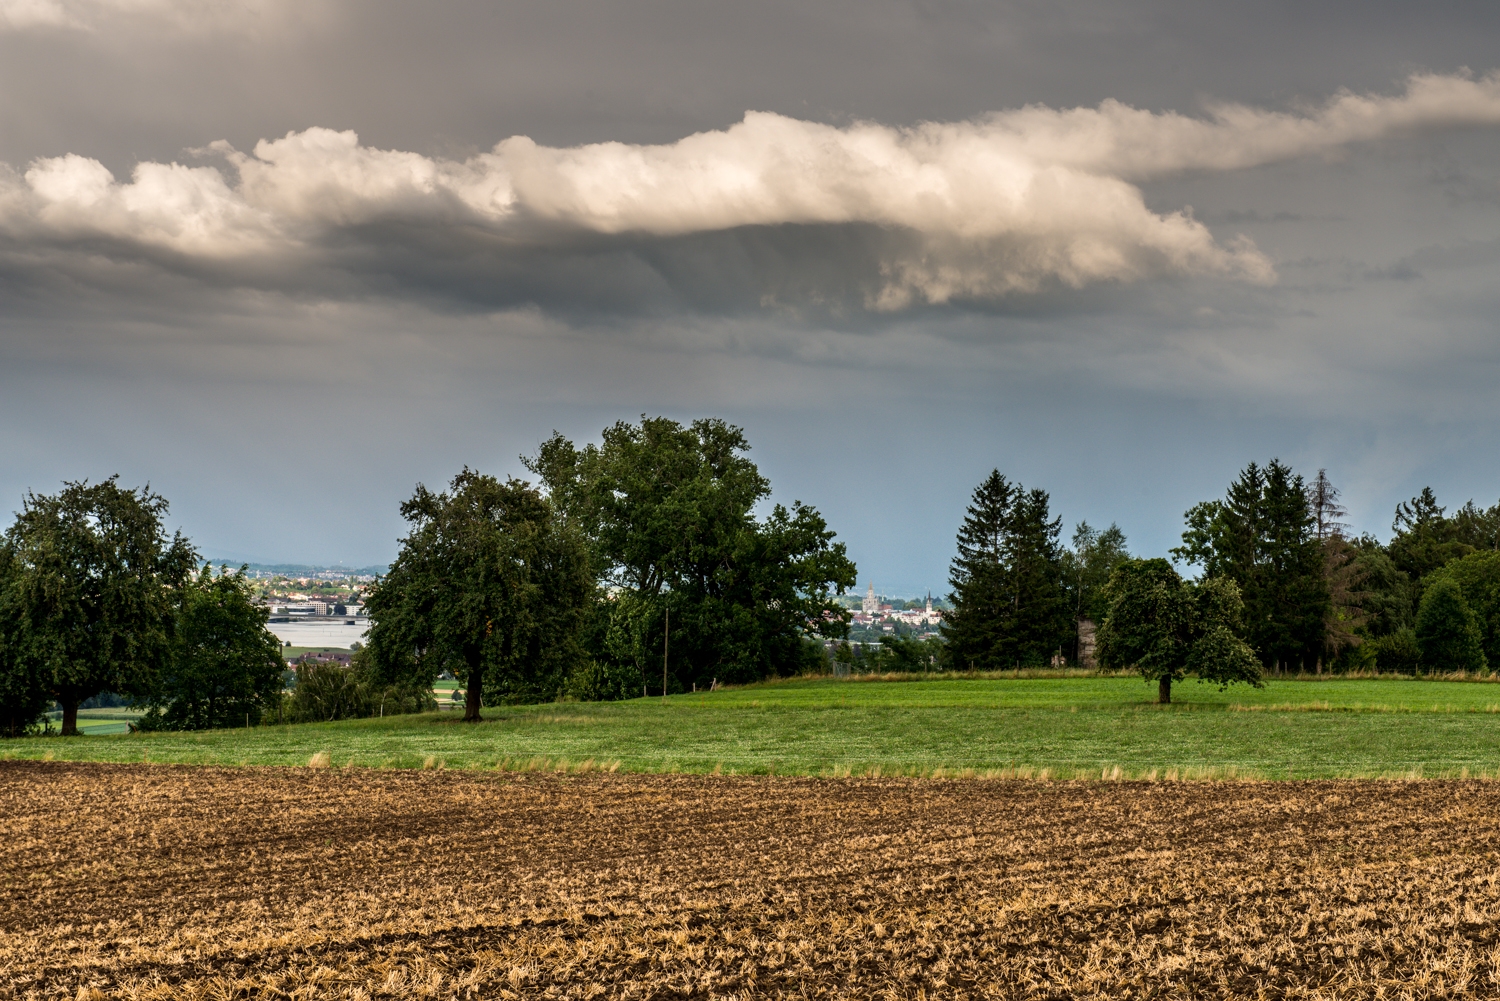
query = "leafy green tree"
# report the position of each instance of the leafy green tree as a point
(1086, 569)
(225, 666)
(326, 690)
(22, 698)
(1447, 631)
(488, 584)
(669, 510)
(909, 654)
(1168, 628)
(1477, 528)
(1009, 605)
(1263, 537)
(1478, 576)
(91, 597)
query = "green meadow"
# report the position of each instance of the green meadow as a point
(1040, 727)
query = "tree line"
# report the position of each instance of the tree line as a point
(638, 564)
(1278, 572)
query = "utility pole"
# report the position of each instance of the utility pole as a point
(666, 636)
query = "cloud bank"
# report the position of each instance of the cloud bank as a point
(995, 207)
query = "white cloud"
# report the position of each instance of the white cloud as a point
(91, 15)
(985, 208)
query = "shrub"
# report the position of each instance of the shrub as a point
(604, 680)
(1397, 652)
(329, 691)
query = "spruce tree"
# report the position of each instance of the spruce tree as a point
(1263, 536)
(1009, 607)
(975, 628)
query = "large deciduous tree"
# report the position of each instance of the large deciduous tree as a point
(225, 667)
(22, 698)
(1478, 577)
(1009, 606)
(669, 510)
(1263, 537)
(91, 602)
(1448, 632)
(489, 584)
(1168, 628)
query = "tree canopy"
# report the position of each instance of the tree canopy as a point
(89, 600)
(669, 512)
(1448, 633)
(224, 668)
(1264, 537)
(1168, 628)
(488, 584)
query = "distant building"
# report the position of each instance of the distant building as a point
(325, 657)
(871, 604)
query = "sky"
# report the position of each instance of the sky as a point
(285, 260)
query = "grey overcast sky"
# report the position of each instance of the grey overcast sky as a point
(284, 260)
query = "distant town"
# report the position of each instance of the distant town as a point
(305, 602)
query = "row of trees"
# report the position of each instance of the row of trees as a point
(1274, 561)
(96, 597)
(636, 563)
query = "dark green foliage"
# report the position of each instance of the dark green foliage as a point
(1087, 568)
(1263, 537)
(1168, 628)
(225, 667)
(1478, 575)
(22, 698)
(1397, 652)
(669, 513)
(326, 691)
(1424, 539)
(907, 654)
(1389, 601)
(89, 603)
(1447, 631)
(488, 585)
(1009, 606)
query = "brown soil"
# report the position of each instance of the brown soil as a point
(175, 882)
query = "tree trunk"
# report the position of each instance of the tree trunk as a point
(70, 718)
(1164, 690)
(472, 696)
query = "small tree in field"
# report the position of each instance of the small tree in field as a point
(1168, 628)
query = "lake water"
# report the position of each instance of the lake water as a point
(321, 632)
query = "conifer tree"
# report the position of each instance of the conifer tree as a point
(1263, 537)
(1009, 607)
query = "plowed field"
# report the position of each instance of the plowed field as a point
(175, 882)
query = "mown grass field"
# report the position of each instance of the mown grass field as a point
(1038, 727)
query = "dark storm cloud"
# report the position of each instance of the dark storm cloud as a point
(186, 329)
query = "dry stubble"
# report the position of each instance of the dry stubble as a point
(180, 882)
